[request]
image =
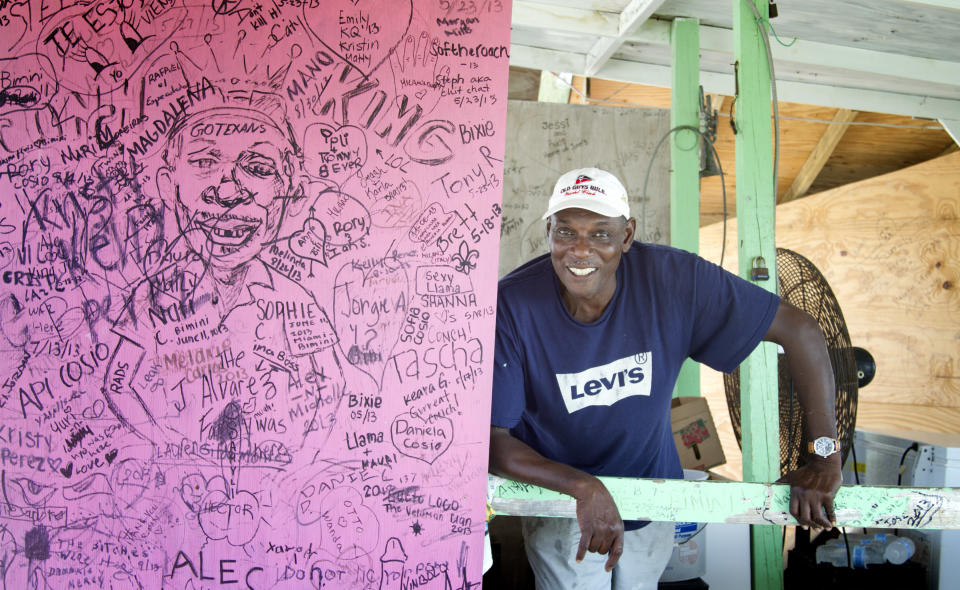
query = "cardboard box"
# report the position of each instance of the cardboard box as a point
(695, 434)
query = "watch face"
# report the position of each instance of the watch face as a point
(823, 446)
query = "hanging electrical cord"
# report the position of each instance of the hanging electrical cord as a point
(913, 447)
(646, 178)
(847, 543)
(856, 470)
(773, 97)
(637, 105)
(615, 92)
(856, 466)
(777, 37)
(772, 13)
(853, 123)
(605, 101)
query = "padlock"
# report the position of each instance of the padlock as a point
(759, 272)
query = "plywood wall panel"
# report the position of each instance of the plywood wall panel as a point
(629, 94)
(906, 417)
(890, 249)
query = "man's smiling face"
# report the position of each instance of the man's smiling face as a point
(585, 248)
(229, 181)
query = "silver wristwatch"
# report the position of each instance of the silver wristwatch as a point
(824, 446)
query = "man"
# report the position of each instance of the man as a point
(590, 339)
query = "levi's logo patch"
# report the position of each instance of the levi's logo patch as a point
(607, 384)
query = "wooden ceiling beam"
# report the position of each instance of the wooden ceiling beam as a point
(806, 54)
(861, 99)
(525, 56)
(536, 15)
(634, 14)
(937, 3)
(815, 54)
(819, 155)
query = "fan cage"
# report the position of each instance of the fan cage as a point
(802, 285)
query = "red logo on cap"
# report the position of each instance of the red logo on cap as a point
(582, 178)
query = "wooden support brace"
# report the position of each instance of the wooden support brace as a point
(633, 15)
(738, 502)
(756, 199)
(863, 99)
(819, 155)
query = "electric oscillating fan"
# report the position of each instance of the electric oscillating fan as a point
(802, 285)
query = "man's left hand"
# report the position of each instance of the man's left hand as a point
(812, 488)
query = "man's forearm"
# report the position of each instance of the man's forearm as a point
(511, 457)
(601, 528)
(812, 373)
(810, 367)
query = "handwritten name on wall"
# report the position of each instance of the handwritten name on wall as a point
(248, 258)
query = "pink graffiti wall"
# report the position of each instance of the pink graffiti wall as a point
(248, 252)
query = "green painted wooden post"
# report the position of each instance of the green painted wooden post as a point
(755, 232)
(685, 160)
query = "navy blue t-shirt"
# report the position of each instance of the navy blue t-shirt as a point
(597, 396)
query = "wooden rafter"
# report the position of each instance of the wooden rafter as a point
(937, 3)
(813, 54)
(634, 14)
(819, 155)
(582, 40)
(564, 19)
(800, 92)
(713, 39)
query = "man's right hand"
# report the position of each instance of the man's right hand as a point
(601, 528)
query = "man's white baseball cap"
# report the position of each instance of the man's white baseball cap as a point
(591, 189)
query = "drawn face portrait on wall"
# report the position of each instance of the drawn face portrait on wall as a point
(228, 176)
